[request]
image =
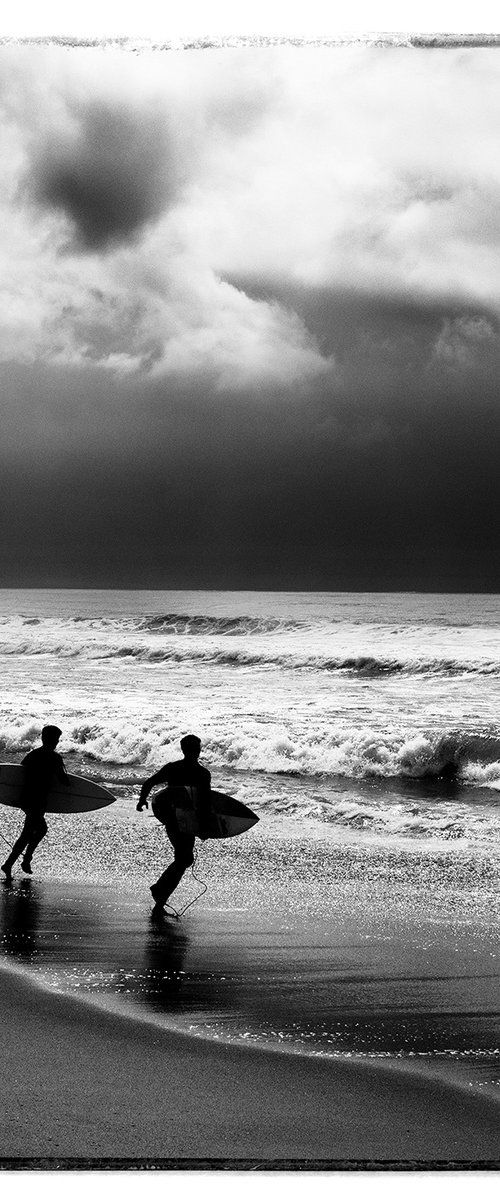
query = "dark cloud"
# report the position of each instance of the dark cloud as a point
(108, 485)
(375, 336)
(111, 173)
(375, 469)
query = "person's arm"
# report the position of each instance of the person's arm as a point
(204, 806)
(27, 783)
(160, 777)
(62, 773)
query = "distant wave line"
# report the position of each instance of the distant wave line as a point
(184, 624)
(365, 665)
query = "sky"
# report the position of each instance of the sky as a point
(249, 317)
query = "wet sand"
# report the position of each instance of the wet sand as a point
(85, 1086)
(98, 1001)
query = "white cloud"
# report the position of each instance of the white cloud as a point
(376, 170)
(154, 310)
(242, 343)
(155, 303)
(354, 168)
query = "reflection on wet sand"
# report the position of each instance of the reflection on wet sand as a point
(164, 958)
(83, 941)
(20, 916)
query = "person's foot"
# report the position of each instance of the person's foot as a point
(7, 872)
(155, 892)
(26, 866)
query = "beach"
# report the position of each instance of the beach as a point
(328, 994)
(88, 1087)
(321, 1029)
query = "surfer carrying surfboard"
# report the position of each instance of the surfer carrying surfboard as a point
(41, 768)
(184, 773)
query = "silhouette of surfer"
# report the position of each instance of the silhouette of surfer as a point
(185, 772)
(41, 768)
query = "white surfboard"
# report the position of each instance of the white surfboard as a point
(227, 818)
(83, 795)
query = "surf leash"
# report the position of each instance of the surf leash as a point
(195, 898)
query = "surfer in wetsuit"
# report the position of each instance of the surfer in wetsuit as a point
(41, 768)
(185, 772)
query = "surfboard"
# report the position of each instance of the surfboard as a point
(228, 818)
(82, 796)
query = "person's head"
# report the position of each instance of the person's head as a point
(190, 746)
(50, 736)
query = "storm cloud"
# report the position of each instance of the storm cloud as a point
(193, 489)
(250, 318)
(109, 171)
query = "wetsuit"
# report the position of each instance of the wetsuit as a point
(41, 767)
(184, 773)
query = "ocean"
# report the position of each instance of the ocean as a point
(308, 687)
(360, 915)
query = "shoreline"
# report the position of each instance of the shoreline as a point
(139, 1057)
(339, 965)
(114, 1087)
(444, 1073)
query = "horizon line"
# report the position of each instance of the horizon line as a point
(251, 590)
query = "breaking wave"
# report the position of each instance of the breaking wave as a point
(363, 665)
(327, 752)
(179, 623)
(245, 641)
(182, 624)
